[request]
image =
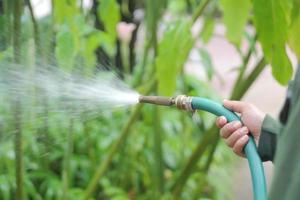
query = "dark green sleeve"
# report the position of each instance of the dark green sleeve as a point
(268, 138)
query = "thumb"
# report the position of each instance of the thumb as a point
(236, 106)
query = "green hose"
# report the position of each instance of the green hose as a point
(255, 164)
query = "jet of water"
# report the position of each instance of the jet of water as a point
(66, 92)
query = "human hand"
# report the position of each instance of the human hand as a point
(235, 133)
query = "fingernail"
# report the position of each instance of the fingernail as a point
(245, 137)
(222, 119)
(237, 124)
(244, 130)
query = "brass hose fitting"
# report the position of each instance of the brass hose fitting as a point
(184, 102)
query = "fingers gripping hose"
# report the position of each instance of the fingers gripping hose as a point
(254, 161)
(198, 103)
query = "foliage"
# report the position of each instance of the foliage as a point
(273, 36)
(144, 153)
(235, 19)
(172, 55)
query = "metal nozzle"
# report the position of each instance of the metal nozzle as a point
(181, 101)
(158, 100)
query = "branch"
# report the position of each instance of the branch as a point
(35, 28)
(247, 81)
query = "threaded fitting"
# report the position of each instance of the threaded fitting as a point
(184, 102)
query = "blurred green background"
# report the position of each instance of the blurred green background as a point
(143, 152)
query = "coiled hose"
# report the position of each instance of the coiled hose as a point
(254, 161)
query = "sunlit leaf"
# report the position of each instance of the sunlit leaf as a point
(64, 10)
(177, 6)
(235, 17)
(65, 49)
(109, 13)
(173, 51)
(294, 29)
(272, 27)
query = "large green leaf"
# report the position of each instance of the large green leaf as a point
(272, 26)
(235, 17)
(64, 10)
(109, 13)
(173, 51)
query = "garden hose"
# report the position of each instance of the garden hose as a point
(199, 103)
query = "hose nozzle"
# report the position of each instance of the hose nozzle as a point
(181, 101)
(158, 100)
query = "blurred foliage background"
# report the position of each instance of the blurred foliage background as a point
(144, 152)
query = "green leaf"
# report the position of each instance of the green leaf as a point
(65, 50)
(64, 10)
(208, 29)
(271, 25)
(173, 51)
(107, 42)
(177, 6)
(235, 17)
(91, 43)
(294, 29)
(109, 13)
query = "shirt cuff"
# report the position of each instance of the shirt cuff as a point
(268, 138)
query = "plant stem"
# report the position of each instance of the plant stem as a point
(125, 57)
(17, 12)
(247, 82)
(158, 155)
(244, 65)
(157, 128)
(35, 30)
(103, 167)
(66, 175)
(89, 143)
(7, 8)
(140, 74)
(199, 10)
(35, 27)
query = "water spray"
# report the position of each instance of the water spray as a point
(198, 103)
